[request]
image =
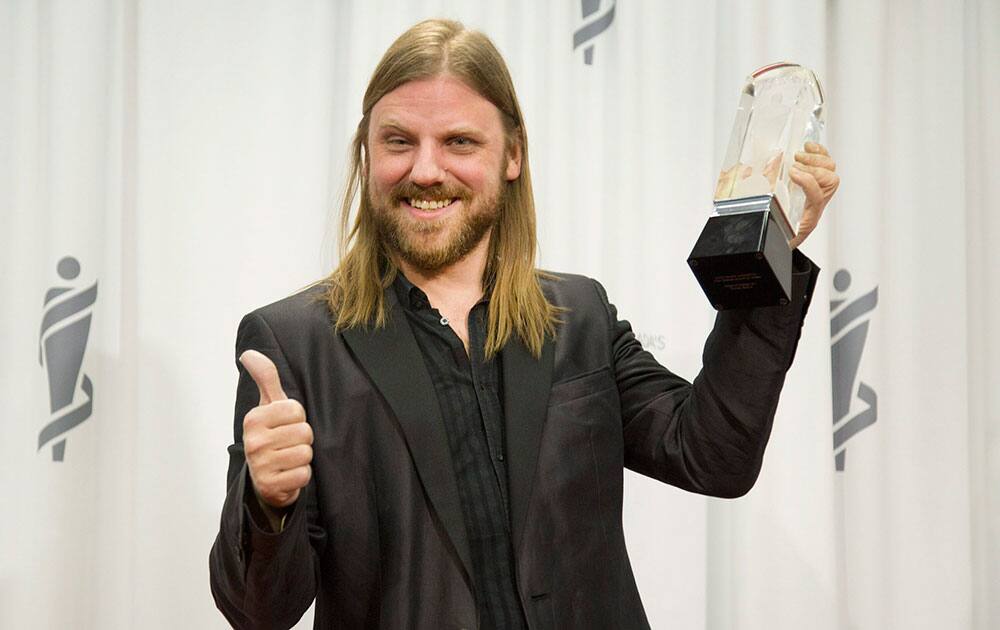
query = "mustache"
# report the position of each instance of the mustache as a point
(409, 190)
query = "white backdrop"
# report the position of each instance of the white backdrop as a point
(187, 154)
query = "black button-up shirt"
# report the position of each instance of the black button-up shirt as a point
(469, 392)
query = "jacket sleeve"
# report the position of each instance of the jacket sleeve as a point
(709, 436)
(261, 579)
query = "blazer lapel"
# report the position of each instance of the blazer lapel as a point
(526, 384)
(392, 359)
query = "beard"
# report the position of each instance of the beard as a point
(416, 241)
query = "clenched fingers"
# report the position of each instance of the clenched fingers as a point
(815, 147)
(257, 440)
(276, 414)
(808, 182)
(279, 460)
(816, 172)
(281, 488)
(815, 159)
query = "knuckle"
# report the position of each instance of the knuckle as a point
(251, 443)
(294, 434)
(279, 407)
(299, 455)
(253, 474)
(264, 488)
(258, 466)
(297, 411)
(278, 490)
(251, 419)
(302, 476)
(290, 410)
(274, 492)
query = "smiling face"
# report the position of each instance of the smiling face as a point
(437, 165)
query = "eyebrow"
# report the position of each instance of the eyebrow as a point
(460, 130)
(392, 126)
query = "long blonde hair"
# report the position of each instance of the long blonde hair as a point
(356, 288)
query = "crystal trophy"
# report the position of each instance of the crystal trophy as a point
(743, 257)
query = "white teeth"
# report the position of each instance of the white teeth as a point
(429, 205)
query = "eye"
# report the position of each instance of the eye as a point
(463, 143)
(396, 144)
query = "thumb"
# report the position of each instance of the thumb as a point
(263, 372)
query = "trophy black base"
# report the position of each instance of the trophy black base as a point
(743, 260)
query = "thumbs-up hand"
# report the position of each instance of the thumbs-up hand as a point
(277, 440)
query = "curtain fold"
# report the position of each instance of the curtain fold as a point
(180, 162)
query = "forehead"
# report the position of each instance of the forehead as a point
(437, 103)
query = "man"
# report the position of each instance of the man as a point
(435, 436)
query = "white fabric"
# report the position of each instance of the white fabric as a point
(189, 155)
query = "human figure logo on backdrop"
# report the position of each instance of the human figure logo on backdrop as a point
(62, 342)
(845, 355)
(593, 26)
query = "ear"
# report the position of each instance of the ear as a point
(513, 170)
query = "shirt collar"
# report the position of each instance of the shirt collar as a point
(413, 298)
(410, 295)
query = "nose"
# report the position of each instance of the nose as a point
(427, 169)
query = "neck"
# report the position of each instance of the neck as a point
(457, 285)
(455, 289)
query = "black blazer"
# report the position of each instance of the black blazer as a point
(378, 537)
